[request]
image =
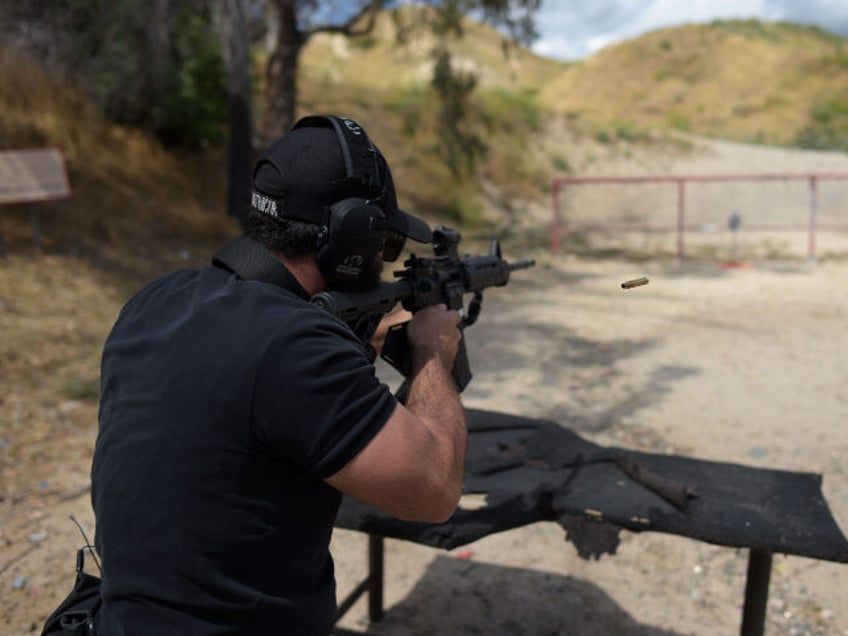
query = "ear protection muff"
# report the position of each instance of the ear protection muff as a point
(353, 229)
(350, 239)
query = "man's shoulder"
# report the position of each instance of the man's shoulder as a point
(210, 297)
(165, 282)
(274, 307)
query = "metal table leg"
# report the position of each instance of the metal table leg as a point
(756, 593)
(373, 584)
(376, 553)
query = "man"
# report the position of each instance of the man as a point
(234, 413)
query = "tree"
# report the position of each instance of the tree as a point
(295, 21)
(240, 146)
(163, 65)
(460, 145)
(154, 64)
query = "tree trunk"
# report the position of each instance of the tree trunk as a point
(281, 92)
(158, 54)
(240, 145)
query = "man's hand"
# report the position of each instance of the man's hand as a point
(434, 332)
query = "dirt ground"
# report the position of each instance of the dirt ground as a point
(742, 365)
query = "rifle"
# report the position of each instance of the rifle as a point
(445, 278)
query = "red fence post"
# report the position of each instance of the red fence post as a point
(681, 216)
(555, 218)
(814, 208)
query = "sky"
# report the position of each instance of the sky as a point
(575, 29)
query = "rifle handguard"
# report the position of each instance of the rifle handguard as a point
(445, 278)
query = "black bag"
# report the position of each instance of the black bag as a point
(75, 615)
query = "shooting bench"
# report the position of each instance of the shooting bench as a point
(535, 470)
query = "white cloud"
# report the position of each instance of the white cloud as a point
(575, 30)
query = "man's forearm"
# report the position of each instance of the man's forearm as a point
(433, 398)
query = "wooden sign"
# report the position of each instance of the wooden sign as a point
(33, 174)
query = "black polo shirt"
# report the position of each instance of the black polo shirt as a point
(224, 404)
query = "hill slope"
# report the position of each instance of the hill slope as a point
(398, 55)
(773, 83)
(744, 80)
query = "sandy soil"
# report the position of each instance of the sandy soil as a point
(739, 365)
(743, 365)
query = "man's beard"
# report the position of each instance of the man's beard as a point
(368, 278)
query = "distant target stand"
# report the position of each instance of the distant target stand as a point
(33, 175)
(559, 228)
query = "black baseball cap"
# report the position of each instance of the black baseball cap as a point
(322, 160)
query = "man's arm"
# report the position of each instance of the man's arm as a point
(413, 468)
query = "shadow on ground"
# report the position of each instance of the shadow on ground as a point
(464, 597)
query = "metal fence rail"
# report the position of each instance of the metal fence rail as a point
(681, 226)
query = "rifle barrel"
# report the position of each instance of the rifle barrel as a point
(524, 263)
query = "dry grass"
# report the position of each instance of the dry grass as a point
(129, 193)
(54, 313)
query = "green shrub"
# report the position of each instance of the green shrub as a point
(462, 205)
(828, 125)
(679, 120)
(561, 164)
(513, 110)
(194, 111)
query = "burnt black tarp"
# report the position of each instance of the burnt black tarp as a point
(536, 470)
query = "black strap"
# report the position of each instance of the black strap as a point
(75, 615)
(250, 260)
(361, 157)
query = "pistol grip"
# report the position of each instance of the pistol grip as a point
(461, 368)
(396, 353)
(396, 349)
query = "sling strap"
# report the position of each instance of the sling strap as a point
(250, 260)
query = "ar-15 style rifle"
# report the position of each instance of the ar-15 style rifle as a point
(445, 278)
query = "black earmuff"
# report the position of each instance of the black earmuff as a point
(353, 228)
(350, 239)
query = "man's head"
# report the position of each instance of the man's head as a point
(325, 188)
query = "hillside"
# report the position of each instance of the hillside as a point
(624, 109)
(383, 80)
(620, 111)
(772, 83)
(743, 80)
(397, 55)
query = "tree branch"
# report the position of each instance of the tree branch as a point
(349, 28)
